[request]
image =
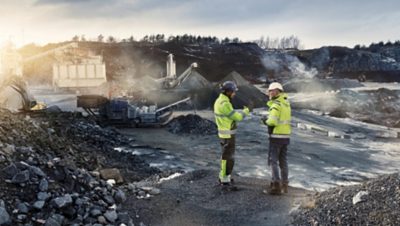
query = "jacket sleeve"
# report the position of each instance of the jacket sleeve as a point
(274, 112)
(229, 112)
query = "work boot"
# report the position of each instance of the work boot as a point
(228, 187)
(285, 187)
(230, 179)
(275, 188)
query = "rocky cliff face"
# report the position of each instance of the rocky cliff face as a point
(382, 65)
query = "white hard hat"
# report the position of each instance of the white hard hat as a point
(275, 85)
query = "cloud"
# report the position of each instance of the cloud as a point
(315, 22)
(117, 9)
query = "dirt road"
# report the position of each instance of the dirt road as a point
(197, 199)
(316, 162)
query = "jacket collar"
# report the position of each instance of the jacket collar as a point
(222, 95)
(280, 97)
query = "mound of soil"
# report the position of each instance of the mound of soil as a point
(192, 124)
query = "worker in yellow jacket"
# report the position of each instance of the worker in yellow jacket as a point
(226, 118)
(279, 130)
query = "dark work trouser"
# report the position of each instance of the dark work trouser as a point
(278, 153)
(227, 158)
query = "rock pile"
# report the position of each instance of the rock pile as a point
(319, 85)
(247, 95)
(192, 124)
(380, 106)
(50, 171)
(375, 202)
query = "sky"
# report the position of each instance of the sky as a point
(315, 22)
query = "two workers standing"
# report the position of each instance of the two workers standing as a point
(279, 130)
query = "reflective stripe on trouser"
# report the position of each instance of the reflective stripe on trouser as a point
(227, 132)
(278, 153)
(227, 159)
(279, 136)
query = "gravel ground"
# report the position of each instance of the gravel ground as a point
(375, 202)
(197, 199)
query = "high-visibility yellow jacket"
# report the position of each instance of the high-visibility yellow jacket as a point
(279, 116)
(226, 117)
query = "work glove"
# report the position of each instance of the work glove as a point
(264, 120)
(250, 105)
(246, 111)
(271, 129)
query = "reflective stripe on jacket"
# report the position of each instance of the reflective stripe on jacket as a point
(226, 117)
(279, 116)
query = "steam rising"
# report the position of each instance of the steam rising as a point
(298, 69)
(281, 63)
(137, 74)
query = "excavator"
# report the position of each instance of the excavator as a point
(11, 78)
(14, 94)
(24, 102)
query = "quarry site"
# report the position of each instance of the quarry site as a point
(123, 133)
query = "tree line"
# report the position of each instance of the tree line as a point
(374, 47)
(290, 42)
(161, 38)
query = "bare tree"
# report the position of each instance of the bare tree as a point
(291, 42)
(100, 38)
(83, 39)
(111, 39)
(145, 39)
(75, 38)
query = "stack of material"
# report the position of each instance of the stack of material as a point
(375, 202)
(192, 124)
(50, 168)
(248, 95)
(195, 81)
(199, 89)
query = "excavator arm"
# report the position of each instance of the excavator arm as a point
(28, 103)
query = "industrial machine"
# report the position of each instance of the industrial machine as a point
(171, 81)
(14, 94)
(24, 101)
(124, 112)
(74, 68)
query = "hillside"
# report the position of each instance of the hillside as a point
(216, 60)
(134, 59)
(379, 65)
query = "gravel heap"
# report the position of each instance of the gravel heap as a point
(55, 170)
(380, 106)
(192, 124)
(319, 85)
(247, 95)
(375, 202)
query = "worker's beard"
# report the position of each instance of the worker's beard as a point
(229, 95)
